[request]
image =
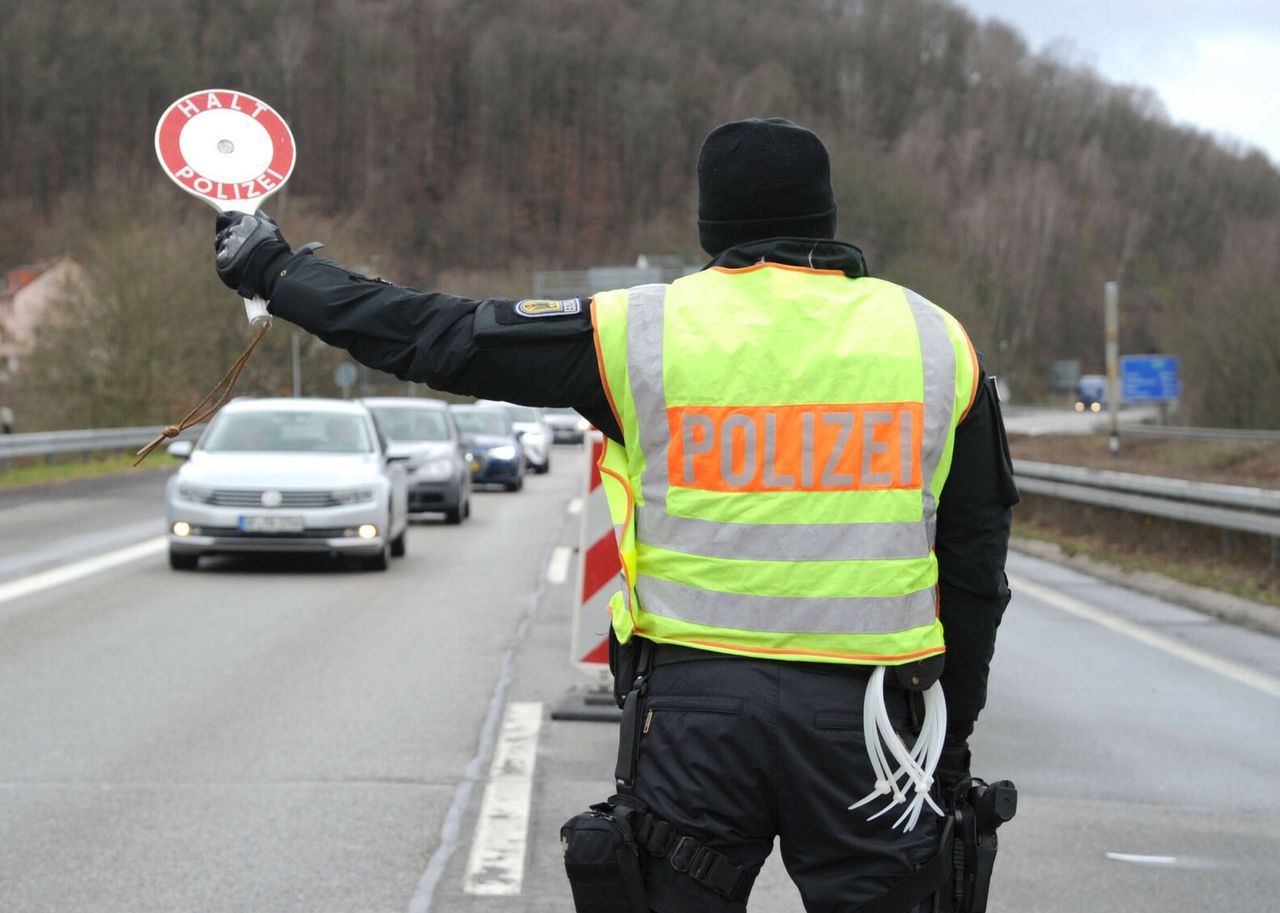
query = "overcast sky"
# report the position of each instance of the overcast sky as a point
(1216, 65)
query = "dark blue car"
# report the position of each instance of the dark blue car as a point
(496, 455)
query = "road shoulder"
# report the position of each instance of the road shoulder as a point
(1220, 605)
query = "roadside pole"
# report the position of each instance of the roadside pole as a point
(295, 346)
(1112, 318)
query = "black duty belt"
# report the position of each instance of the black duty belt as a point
(668, 654)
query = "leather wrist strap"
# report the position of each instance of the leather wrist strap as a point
(214, 400)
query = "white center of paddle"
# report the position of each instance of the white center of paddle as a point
(226, 146)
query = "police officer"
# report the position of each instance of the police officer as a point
(808, 472)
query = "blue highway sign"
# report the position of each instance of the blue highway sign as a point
(1149, 378)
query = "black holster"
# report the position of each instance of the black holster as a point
(602, 851)
(978, 810)
(959, 876)
(602, 859)
(625, 662)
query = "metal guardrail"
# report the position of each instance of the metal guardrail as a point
(1176, 432)
(1233, 507)
(52, 443)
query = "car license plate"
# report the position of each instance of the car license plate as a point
(272, 524)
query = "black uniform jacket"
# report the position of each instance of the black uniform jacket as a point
(543, 354)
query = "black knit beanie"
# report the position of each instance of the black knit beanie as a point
(763, 178)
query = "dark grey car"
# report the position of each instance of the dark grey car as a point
(423, 432)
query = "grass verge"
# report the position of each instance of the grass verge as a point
(1234, 563)
(30, 473)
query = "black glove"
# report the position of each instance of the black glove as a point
(953, 764)
(249, 252)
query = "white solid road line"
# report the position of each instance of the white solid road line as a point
(1143, 860)
(1259, 681)
(558, 566)
(496, 866)
(26, 586)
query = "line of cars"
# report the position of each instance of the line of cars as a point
(341, 477)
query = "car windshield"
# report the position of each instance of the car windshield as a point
(559, 410)
(523, 413)
(482, 421)
(289, 431)
(410, 423)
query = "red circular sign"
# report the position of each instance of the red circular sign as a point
(228, 148)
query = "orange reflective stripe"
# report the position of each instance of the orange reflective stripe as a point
(973, 368)
(795, 269)
(809, 447)
(878, 658)
(626, 524)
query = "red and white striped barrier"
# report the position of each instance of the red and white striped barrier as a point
(599, 572)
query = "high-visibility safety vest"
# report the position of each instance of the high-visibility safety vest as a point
(788, 432)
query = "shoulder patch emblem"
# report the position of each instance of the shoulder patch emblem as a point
(545, 307)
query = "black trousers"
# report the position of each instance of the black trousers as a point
(736, 752)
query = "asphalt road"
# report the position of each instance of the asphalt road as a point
(303, 736)
(1057, 420)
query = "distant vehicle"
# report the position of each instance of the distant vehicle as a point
(567, 426)
(490, 437)
(287, 475)
(534, 434)
(422, 431)
(1091, 393)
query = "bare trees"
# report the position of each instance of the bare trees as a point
(465, 134)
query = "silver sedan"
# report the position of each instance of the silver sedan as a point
(288, 475)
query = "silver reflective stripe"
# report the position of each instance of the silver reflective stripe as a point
(939, 396)
(786, 542)
(618, 532)
(854, 615)
(644, 370)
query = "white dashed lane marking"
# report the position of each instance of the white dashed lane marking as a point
(558, 566)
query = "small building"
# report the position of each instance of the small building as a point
(26, 294)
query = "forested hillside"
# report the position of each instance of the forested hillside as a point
(442, 136)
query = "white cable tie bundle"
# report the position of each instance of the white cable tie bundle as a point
(915, 767)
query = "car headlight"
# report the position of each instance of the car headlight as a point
(434, 469)
(583, 424)
(197, 493)
(353, 496)
(505, 452)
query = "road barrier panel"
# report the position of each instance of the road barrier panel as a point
(599, 576)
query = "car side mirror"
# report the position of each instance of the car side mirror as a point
(180, 449)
